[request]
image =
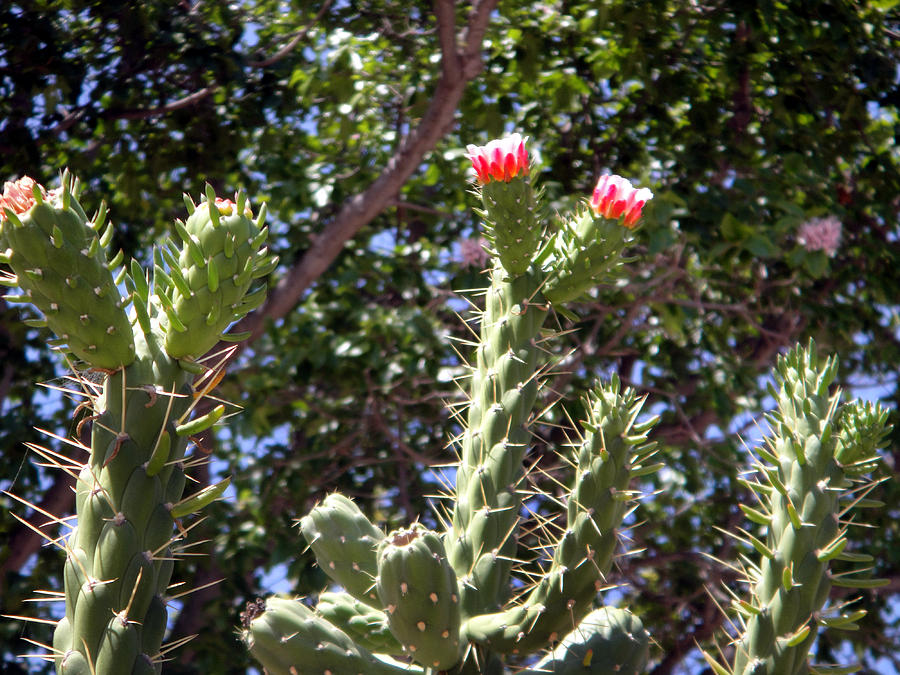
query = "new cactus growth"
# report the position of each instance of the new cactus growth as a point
(453, 601)
(129, 494)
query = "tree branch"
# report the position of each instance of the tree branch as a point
(457, 69)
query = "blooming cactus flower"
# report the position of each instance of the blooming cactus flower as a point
(18, 196)
(615, 197)
(502, 159)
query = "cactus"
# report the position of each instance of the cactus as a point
(129, 494)
(446, 595)
(811, 472)
(453, 601)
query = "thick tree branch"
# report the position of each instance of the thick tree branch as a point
(458, 67)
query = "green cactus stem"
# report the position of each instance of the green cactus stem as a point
(345, 544)
(129, 495)
(608, 641)
(60, 262)
(203, 287)
(809, 472)
(418, 589)
(613, 450)
(288, 638)
(482, 544)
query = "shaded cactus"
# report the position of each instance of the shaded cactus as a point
(608, 641)
(129, 494)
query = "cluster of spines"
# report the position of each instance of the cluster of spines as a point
(809, 468)
(59, 259)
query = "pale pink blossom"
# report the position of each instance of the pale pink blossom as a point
(614, 197)
(18, 196)
(502, 159)
(821, 234)
(472, 252)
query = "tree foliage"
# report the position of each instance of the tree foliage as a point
(748, 120)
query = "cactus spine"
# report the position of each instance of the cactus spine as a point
(129, 495)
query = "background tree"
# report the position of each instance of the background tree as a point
(766, 130)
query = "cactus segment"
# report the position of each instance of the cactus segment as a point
(584, 252)
(367, 625)
(816, 445)
(511, 225)
(599, 500)
(345, 544)
(288, 638)
(119, 556)
(608, 641)
(55, 253)
(482, 545)
(205, 290)
(419, 592)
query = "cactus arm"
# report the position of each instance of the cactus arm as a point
(367, 625)
(612, 446)
(482, 545)
(608, 641)
(345, 543)
(815, 457)
(420, 594)
(206, 286)
(61, 266)
(288, 638)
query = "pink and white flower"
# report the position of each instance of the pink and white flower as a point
(615, 197)
(502, 159)
(821, 234)
(18, 196)
(472, 252)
